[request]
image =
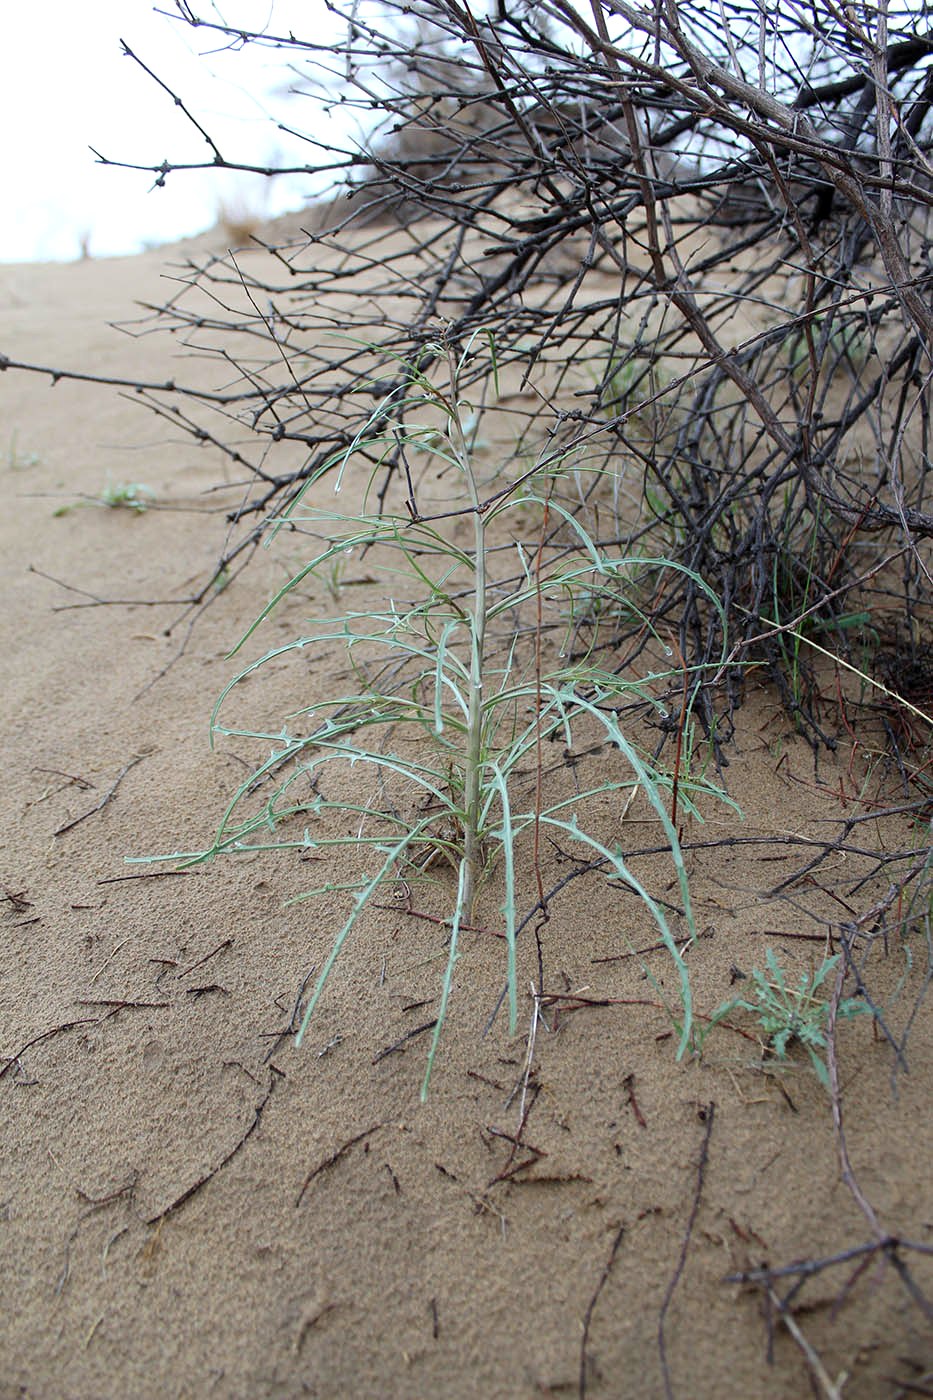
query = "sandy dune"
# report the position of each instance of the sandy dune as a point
(189, 1206)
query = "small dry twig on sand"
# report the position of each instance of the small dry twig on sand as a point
(591, 1308)
(707, 1115)
(334, 1158)
(829, 1389)
(107, 797)
(159, 1216)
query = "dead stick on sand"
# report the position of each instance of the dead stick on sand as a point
(831, 1390)
(707, 1115)
(46, 1035)
(160, 1215)
(334, 1158)
(591, 1308)
(108, 796)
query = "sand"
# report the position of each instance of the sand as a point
(191, 1206)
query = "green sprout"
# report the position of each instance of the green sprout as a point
(127, 496)
(788, 1014)
(19, 461)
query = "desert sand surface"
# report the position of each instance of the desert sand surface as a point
(191, 1206)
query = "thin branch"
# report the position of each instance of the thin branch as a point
(708, 1114)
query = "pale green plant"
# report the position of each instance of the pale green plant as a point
(634, 386)
(20, 461)
(332, 577)
(619, 383)
(132, 496)
(442, 710)
(798, 1014)
(841, 342)
(794, 584)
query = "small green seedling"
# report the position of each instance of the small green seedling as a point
(789, 1014)
(20, 461)
(331, 576)
(127, 496)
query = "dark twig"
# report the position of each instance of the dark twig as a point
(400, 1044)
(221, 947)
(112, 1007)
(107, 797)
(160, 1215)
(829, 1389)
(707, 1114)
(334, 1158)
(13, 1059)
(848, 1175)
(591, 1308)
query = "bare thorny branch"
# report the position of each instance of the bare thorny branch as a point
(703, 253)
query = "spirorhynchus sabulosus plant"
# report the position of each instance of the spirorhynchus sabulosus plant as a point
(446, 705)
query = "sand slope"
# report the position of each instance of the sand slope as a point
(189, 1206)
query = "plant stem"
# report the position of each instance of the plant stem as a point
(472, 786)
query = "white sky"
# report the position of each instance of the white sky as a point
(65, 85)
